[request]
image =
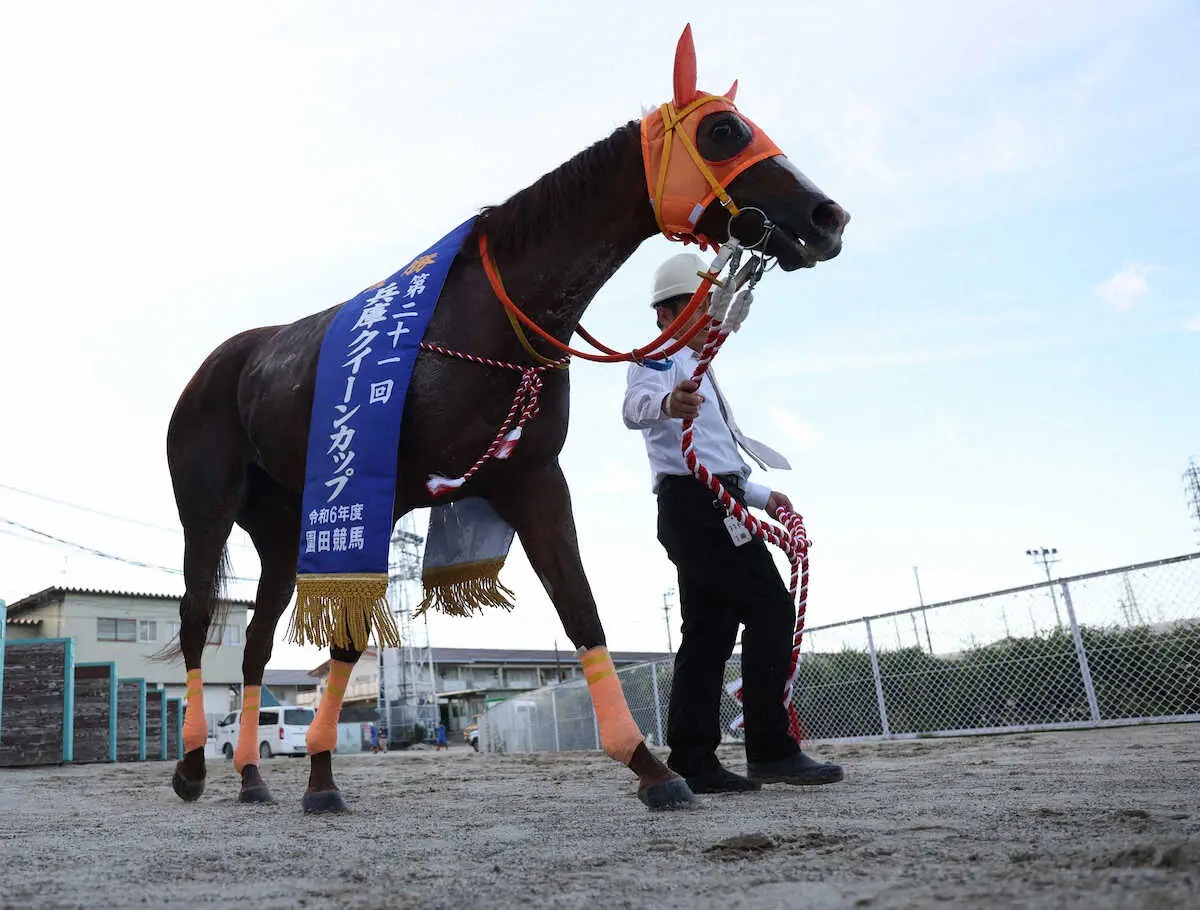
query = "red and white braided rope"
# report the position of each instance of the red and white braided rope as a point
(789, 535)
(524, 408)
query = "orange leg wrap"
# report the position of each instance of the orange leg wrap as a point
(246, 752)
(195, 724)
(322, 735)
(619, 735)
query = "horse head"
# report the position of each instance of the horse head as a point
(712, 172)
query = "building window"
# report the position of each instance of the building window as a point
(116, 630)
(227, 634)
(147, 631)
(172, 631)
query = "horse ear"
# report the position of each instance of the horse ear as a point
(732, 93)
(685, 69)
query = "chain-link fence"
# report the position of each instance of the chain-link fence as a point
(1114, 647)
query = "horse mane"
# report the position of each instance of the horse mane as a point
(551, 203)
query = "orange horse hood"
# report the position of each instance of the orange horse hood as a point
(680, 182)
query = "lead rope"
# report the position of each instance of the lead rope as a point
(727, 313)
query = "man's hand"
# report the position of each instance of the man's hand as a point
(683, 401)
(776, 501)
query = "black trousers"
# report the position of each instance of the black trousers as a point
(721, 587)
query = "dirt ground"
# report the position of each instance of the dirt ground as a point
(1096, 819)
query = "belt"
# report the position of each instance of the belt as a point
(734, 483)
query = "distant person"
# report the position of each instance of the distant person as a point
(374, 734)
(439, 734)
(723, 582)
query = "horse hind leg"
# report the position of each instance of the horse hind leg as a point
(271, 516)
(207, 506)
(207, 455)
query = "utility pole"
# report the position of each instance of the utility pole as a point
(1129, 605)
(1046, 557)
(433, 696)
(667, 617)
(924, 616)
(1191, 479)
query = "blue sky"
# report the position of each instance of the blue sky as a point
(1006, 354)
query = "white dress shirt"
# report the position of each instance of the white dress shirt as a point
(712, 437)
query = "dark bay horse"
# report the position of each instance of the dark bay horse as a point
(236, 444)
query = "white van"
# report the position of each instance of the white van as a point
(281, 731)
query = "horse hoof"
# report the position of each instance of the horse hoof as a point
(256, 793)
(187, 790)
(667, 794)
(324, 801)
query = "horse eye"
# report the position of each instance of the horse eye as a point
(721, 136)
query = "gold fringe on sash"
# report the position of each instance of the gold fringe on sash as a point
(342, 610)
(465, 588)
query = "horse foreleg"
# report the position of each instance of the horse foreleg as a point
(539, 508)
(323, 794)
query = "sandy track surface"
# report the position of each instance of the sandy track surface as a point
(1096, 819)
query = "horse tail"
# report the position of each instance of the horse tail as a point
(216, 604)
(212, 605)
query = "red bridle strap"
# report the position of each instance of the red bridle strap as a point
(645, 352)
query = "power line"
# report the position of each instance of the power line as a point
(102, 514)
(137, 563)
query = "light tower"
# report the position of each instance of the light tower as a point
(1046, 557)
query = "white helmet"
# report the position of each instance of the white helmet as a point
(677, 277)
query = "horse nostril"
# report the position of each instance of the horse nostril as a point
(830, 217)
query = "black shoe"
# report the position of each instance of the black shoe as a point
(797, 769)
(720, 780)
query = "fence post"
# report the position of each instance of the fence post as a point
(883, 720)
(657, 701)
(554, 711)
(1081, 654)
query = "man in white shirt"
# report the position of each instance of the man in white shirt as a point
(722, 584)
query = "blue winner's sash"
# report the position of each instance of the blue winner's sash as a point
(363, 372)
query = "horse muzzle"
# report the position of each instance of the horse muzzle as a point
(794, 248)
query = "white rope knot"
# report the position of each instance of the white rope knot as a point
(740, 310)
